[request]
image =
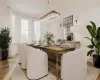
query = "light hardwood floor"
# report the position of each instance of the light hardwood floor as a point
(98, 77)
(11, 70)
(91, 65)
(7, 67)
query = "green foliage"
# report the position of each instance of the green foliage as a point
(90, 52)
(49, 37)
(94, 25)
(5, 38)
(91, 30)
(90, 46)
(95, 39)
(61, 41)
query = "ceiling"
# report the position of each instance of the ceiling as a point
(32, 7)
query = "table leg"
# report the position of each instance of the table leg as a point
(57, 69)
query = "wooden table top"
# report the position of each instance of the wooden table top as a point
(54, 48)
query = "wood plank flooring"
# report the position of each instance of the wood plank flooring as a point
(90, 64)
(98, 77)
(7, 67)
(4, 69)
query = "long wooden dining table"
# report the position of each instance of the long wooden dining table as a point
(56, 50)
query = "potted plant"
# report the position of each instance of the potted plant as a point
(49, 37)
(5, 40)
(60, 41)
(95, 43)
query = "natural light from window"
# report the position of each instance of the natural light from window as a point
(24, 31)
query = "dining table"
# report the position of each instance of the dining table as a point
(56, 50)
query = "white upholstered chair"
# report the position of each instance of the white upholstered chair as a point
(19, 54)
(74, 65)
(23, 55)
(37, 63)
(13, 50)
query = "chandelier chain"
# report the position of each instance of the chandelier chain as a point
(48, 1)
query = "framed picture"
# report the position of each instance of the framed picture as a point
(67, 23)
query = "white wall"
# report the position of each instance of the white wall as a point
(53, 27)
(44, 29)
(85, 10)
(4, 16)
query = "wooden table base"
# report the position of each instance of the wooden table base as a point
(57, 65)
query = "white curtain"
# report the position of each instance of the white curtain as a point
(16, 24)
(15, 27)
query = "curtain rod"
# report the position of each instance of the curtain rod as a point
(21, 13)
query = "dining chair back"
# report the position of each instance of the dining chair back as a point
(74, 65)
(37, 63)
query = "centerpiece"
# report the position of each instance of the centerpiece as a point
(60, 41)
(49, 38)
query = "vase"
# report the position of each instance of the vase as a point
(48, 42)
(4, 54)
(96, 61)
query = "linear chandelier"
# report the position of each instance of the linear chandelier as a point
(52, 15)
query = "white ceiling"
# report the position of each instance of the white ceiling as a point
(32, 7)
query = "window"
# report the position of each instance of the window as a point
(24, 31)
(37, 30)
